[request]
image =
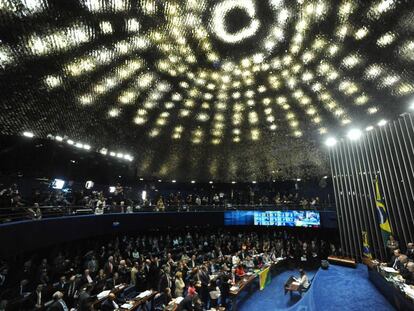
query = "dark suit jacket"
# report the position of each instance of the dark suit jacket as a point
(163, 284)
(84, 301)
(392, 260)
(56, 306)
(107, 305)
(186, 304)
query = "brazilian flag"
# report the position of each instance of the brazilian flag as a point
(264, 278)
(382, 214)
(366, 248)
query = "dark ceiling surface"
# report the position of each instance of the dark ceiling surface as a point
(193, 89)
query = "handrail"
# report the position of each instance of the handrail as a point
(10, 214)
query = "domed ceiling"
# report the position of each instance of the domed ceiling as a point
(196, 89)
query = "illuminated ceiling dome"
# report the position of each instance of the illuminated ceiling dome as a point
(230, 89)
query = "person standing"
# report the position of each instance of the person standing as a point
(179, 284)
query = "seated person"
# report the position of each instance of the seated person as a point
(239, 272)
(294, 284)
(109, 304)
(409, 275)
(394, 262)
(410, 251)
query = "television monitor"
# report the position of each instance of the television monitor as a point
(273, 218)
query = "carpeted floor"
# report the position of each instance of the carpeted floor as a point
(337, 288)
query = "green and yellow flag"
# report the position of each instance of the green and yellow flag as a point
(382, 214)
(264, 278)
(366, 248)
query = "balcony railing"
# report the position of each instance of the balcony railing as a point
(12, 214)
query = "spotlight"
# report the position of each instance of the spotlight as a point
(59, 138)
(253, 182)
(103, 151)
(233, 182)
(193, 181)
(79, 145)
(112, 154)
(331, 141)
(159, 180)
(174, 181)
(298, 179)
(141, 179)
(354, 134)
(369, 128)
(210, 182)
(70, 142)
(86, 147)
(382, 122)
(119, 155)
(28, 134)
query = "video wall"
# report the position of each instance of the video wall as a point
(273, 218)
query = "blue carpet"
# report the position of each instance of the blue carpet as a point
(337, 288)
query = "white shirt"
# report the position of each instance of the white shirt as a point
(304, 281)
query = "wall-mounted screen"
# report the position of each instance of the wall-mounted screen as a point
(273, 218)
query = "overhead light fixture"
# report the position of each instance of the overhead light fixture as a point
(298, 179)
(159, 180)
(382, 122)
(103, 151)
(193, 181)
(79, 145)
(369, 128)
(233, 182)
(112, 154)
(331, 141)
(141, 179)
(354, 134)
(70, 141)
(59, 138)
(86, 147)
(253, 182)
(174, 181)
(28, 134)
(210, 182)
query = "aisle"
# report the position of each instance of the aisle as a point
(337, 288)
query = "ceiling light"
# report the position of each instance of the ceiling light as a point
(382, 122)
(233, 182)
(28, 134)
(253, 182)
(112, 154)
(354, 134)
(173, 181)
(58, 138)
(86, 147)
(193, 181)
(330, 141)
(103, 151)
(70, 142)
(210, 182)
(369, 128)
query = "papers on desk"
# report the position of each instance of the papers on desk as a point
(127, 306)
(409, 291)
(234, 288)
(389, 270)
(178, 300)
(144, 294)
(103, 294)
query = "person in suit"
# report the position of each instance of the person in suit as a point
(61, 286)
(165, 279)
(192, 263)
(410, 251)
(109, 266)
(109, 304)
(114, 281)
(394, 262)
(37, 298)
(72, 291)
(58, 303)
(409, 276)
(85, 300)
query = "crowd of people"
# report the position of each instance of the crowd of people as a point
(120, 199)
(198, 265)
(403, 262)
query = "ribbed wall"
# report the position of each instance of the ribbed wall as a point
(387, 153)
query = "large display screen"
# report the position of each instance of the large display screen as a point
(273, 218)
